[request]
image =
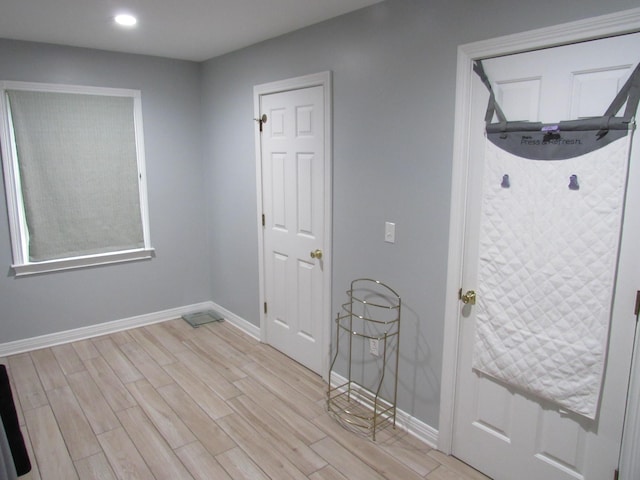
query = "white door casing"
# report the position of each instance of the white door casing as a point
(467, 147)
(293, 164)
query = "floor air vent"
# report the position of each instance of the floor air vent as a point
(200, 318)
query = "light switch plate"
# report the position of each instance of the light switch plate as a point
(373, 347)
(389, 232)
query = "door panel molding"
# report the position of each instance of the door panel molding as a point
(324, 80)
(590, 29)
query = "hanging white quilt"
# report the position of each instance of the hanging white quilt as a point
(548, 257)
(552, 206)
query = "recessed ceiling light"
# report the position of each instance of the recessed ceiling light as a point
(126, 20)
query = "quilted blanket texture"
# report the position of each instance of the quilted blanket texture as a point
(548, 250)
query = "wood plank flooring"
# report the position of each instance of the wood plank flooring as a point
(168, 401)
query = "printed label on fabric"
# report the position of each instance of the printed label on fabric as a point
(549, 140)
(553, 145)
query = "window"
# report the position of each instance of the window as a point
(73, 160)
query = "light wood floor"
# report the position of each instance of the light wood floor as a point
(172, 402)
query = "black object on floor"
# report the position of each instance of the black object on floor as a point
(12, 426)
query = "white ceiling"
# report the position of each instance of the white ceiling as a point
(185, 29)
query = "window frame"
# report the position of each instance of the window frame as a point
(15, 204)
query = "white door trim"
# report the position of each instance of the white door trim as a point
(608, 25)
(322, 79)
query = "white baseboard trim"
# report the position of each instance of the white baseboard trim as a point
(238, 322)
(405, 421)
(52, 339)
(417, 428)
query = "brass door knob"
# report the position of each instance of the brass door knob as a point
(468, 298)
(316, 254)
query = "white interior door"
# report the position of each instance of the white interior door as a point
(502, 431)
(294, 233)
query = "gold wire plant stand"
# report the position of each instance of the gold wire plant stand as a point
(370, 323)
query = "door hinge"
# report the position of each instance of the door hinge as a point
(616, 474)
(636, 312)
(261, 121)
(265, 308)
(264, 220)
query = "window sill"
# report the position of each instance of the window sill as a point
(80, 262)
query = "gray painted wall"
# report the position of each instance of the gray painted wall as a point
(178, 276)
(394, 86)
